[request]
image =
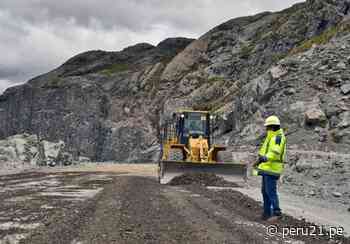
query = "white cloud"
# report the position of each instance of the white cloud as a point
(4, 84)
(37, 36)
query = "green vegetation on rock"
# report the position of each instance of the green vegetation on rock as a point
(246, 50)
(214, 79)
(54, 82)
(278, 56)
(323, 38)
(115, 68)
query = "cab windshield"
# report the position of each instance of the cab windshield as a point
(195, 124)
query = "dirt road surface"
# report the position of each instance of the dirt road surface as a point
(125, 204)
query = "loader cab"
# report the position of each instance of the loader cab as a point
(193, 124)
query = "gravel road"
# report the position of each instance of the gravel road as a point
(111, 207)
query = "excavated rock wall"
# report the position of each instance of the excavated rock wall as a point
(101, 104)
(109, 105)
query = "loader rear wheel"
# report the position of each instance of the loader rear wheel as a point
(176, 155)
(224, 157)
(159, 170)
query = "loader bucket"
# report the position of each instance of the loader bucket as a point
(232, 172)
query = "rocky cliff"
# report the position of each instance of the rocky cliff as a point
(103, 105)
(108, 105)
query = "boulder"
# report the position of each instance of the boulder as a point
(315, 117)
(278, 71)
(316, 175)
(312, 193)
(27, 150)
(345, 89)
(341, 65)
(301, 167)
(336, 194)
(345, 120)
(82, 159)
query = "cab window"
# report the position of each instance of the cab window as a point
(195, 124)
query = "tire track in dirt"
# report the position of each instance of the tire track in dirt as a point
(132, 210)
(212, 225)
(139, 210)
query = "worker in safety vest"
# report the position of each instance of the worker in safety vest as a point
(270, 166)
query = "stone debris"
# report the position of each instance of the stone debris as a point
(278, 71)
(336, 194)
(345, 89)
(24, 151)
(204, 179)
(315, 117)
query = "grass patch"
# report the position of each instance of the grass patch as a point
(215, 79)
(323, 38)
(278, 56)
(246, 50)
(53, 83)
(115, 68)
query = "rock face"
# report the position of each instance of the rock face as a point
(102, 104)
(109, 105)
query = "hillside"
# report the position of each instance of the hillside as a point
(109, 105)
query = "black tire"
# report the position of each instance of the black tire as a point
(224, 157)
(67, 163)
(175, 155)
(160, 170)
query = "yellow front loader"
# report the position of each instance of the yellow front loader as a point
(187, 147)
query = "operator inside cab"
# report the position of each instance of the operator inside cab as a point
(193, 124)
(195, 127)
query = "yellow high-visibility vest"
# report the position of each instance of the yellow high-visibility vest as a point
(274, 149)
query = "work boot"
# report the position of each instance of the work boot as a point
(273, 218)
(264, 217)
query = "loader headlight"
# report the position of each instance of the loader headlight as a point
(182, 116)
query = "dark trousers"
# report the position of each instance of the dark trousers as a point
(270, 196)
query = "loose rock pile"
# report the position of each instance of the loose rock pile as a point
(204, 179)
(318, 175)
(24, 150)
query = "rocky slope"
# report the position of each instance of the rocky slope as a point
(309, 91)
(101, 104)
(109, 105)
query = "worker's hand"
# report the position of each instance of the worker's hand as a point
(262, 159)
(255, 165)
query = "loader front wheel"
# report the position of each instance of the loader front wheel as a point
(176, 155)
(224, 157)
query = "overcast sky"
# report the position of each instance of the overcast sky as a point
(39, 35)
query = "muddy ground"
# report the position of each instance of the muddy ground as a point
(116, 206)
